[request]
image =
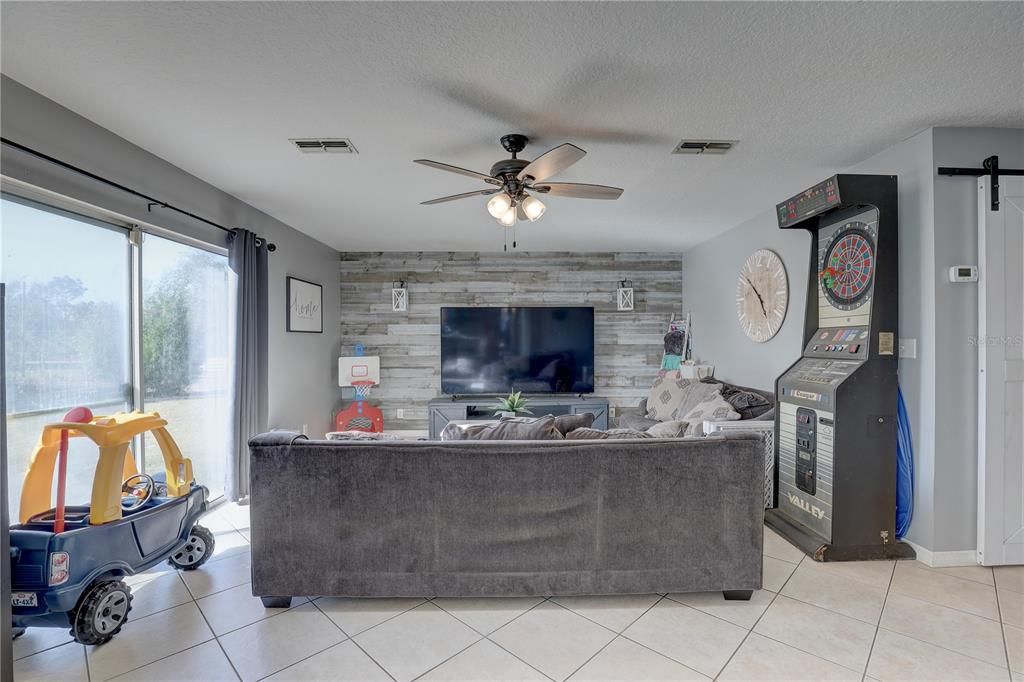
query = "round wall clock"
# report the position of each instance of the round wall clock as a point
(762, 294)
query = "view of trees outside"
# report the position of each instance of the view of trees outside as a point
(67, 333)
(68, 339)
(185, 354)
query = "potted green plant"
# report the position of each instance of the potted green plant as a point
(512, 405)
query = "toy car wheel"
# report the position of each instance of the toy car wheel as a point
(195, 552)
(101, 612)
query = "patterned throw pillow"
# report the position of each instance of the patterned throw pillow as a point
(611, 434)
(714, 408)
(671, 398)
(669, 429)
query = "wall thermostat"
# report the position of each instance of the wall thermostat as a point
(963, 273)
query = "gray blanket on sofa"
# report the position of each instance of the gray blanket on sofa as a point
(500, 518)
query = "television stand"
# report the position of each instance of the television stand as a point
(440, 411)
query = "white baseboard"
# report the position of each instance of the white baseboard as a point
(958, 557)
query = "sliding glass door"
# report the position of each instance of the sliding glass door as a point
(71, 338)
(68, 335)
(185, 357)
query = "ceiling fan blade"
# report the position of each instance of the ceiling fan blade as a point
(578, 190)
(464, 195)
(552, 161)
(460, 171)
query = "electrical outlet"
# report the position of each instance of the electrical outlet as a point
(908, 348)
(400, 413)
(611, 411)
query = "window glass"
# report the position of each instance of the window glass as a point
(67, 331)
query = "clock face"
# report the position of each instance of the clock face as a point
(762, 294)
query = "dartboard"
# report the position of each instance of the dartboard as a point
(849, 266)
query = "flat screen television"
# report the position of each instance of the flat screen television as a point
(528, 349)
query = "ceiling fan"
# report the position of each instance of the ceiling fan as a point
(512, 181)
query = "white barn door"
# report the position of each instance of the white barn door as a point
(1001, 374)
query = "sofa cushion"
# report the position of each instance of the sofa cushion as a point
(715, 408)
(637, 422)
(672, 398)
(570, 422)
(515, 428)
(610, 434)
(670, 429)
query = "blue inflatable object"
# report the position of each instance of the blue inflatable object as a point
(904, 468)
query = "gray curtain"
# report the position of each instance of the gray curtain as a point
(247, 258)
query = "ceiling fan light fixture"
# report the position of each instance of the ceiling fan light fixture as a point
(508, 219)
(499, 205)
(533, 208)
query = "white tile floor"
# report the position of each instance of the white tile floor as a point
(875, 621)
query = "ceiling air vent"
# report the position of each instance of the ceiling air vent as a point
(324, 145)
(703, 146)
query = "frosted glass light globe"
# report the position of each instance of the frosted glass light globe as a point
(499, 205)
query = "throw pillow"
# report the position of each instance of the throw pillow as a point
(515, 428)
(714, 408)
(570, 422)
(750, 405)
(671, 429)
(673, 398)
(610, 434)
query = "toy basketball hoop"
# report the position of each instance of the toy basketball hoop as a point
(361, 373)
(362, 388)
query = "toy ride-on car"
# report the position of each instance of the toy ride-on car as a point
(67, 562)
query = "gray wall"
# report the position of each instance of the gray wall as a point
(628, 344)
(302, 381)
(956, 319)
(938, 228)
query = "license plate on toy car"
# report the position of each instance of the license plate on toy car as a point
(24, 599)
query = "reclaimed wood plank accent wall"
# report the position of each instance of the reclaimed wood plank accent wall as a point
(628, 345)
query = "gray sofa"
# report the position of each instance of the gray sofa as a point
(497, 518)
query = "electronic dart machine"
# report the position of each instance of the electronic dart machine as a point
(835, 450)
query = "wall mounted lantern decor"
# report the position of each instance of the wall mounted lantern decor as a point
(625, 295)
(399, 297)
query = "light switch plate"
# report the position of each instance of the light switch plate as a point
(400, 413)
(908, 348)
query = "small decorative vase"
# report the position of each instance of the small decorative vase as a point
(506, 414)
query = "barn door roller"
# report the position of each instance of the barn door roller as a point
(989, 167)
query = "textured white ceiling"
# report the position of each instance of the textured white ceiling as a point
(218, 88)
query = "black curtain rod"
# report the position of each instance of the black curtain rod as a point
(151, 200)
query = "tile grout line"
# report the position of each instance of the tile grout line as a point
(85, 654)
(352, 638)
(435, 667)
(878, 625)
(215, 638)
(510, 653)
(1002, 627)
(306, 658)
(162, 658)
(619, 635)
(751, 629)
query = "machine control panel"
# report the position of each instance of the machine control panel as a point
(813, 381)
(839, 342)
(817, 199)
